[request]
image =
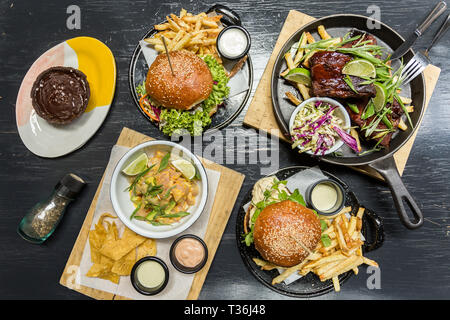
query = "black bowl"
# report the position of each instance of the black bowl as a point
(247, 48)
(144, 290)
(178, 265)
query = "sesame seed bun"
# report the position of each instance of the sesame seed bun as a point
(284, 230)
(191, 83)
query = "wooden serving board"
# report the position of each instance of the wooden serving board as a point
(227, 191)
(260, 113)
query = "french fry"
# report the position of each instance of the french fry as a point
(180, 22)
(209, 23)
(190, 19)
(323, 33)
(198, 25)
(289, 61)
(331, 258)
(321, 270)
(265, 265)
(309, 38)
(173, 25)
(154, 41)
(304, 91)
(360, 212)
(342, 267)
(159, 48)
(163, 26)
(287, 272)
(175, 40)
(292, 98)
(402, 125)
(336, 284)
(355, 135)
(405, 100)
(183, 12)
(352, 225)
(182, 43)
(370, 262)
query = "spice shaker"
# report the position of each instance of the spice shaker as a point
(40, 222)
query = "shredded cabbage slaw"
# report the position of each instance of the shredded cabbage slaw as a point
(316, 129)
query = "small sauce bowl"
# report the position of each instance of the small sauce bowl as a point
(225, 39)
(178, 265)
(140, 287)
(316, 192)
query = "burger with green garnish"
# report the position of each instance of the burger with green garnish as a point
(186, 99)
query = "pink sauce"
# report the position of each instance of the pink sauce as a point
(189, 252)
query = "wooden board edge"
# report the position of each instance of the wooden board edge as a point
(220, 220)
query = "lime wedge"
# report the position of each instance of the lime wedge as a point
(185, 167)
(137, 165)
(360, 68)
(380, 98)
(299, 75)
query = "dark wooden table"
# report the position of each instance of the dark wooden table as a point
(414, 264)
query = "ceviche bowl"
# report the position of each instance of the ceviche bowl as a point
(320, 123)
(121, 196)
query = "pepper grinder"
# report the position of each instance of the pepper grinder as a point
(40, 222)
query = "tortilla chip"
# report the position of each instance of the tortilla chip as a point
(118, 248)
(111, 277)
(147, 248)
(123, 266)
(112, 256)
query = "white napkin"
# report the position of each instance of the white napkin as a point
(179, 283)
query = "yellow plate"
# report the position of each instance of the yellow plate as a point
(94, 59)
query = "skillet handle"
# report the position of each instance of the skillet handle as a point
(388, 169)
(230, 17)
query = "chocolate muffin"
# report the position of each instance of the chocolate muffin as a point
(60, 94)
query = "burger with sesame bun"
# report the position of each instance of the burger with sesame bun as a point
(187, 98)
(283, 230)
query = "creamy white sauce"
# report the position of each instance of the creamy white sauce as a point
(324, 196)
(150, 274)
(258, 192)
(233, 42)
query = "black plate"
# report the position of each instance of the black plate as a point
(339, 25)
(232, 106)
(309, 285)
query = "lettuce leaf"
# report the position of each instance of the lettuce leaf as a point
(194, 121)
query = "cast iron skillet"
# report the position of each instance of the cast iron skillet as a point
(382, 161)
(310, 285)
(138, 68)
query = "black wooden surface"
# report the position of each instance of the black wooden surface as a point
(414, 264)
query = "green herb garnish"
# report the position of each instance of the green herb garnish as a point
(135, 211)
(164, 162)
(138, 177)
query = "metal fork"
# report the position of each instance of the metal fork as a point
(421, 59)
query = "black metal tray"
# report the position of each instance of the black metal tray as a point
(309, 285)
(225, 114)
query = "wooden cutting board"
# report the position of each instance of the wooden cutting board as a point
(227, 191)
(260, 113)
